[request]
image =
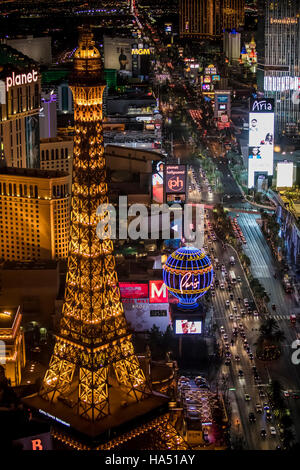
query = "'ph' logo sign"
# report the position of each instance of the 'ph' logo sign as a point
(175, 184)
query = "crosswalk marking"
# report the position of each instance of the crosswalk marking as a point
(251, 317)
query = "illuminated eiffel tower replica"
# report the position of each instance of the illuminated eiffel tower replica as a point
(93, 353)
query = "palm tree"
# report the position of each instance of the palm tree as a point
(268, 343)
(288, 438)
(277, 396)
(286, 421)
(267, 328)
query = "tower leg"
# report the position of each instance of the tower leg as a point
(93, 402)
(58, 378)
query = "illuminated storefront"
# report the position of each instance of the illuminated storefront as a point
(145, 304)
(12, 350)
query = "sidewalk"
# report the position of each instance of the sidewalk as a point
(262, 206)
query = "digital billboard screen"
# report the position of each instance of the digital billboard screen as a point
(222, 98)
(285, 175)
(131, 290)
(32, 129)
(158, 182)
(175, 179)
(188, 327)
(261, 138)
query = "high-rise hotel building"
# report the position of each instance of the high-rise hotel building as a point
(20, 89)
(278, 52)
(232, 13)
(206, 19)
(34, 214)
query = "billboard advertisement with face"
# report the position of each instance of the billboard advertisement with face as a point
(261, 138)
(158, 182)
(187, 327)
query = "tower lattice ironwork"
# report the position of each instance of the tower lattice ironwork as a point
(94, 350)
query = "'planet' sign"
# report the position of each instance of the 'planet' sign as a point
(21, 79)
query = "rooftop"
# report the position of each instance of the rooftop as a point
(13, 60)
(7, 316)
(30, 265)
(56, 139)
(32, 172)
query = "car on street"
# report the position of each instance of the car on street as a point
(263, 433)
(241, 373)
(231, 317)
(252, 417)
(247, 397)
(227, 362)
(227, 303)
(268, 415)
(258, 408)
(237, 358)
(246, 302)
(273, 431)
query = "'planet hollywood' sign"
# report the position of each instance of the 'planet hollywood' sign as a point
(21, 79)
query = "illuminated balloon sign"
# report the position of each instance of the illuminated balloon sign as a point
(188, 274)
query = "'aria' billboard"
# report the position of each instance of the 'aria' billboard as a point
(261, 138)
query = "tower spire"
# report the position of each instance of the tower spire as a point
(93, 350)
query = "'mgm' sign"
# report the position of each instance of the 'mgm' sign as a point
(140, 51)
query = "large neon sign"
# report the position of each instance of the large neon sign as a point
(188, 275)
(21, 79)
(140, 51)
